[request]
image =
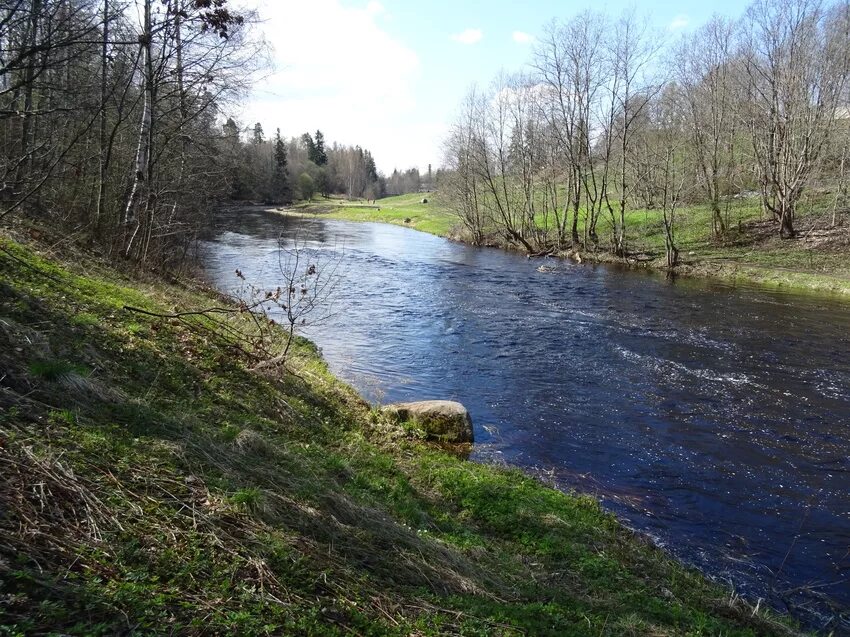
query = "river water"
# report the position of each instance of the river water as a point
(715, 419)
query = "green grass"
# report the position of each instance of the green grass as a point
(751, 251)
(403, 210)
(55, 369)
(175, 491)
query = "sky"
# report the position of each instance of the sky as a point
(389, 75)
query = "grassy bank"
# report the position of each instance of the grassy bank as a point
(751, 251)
(818, 259)
(152, 483)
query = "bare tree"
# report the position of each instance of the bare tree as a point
(631, 87)
(495, 126)
(461, 188)
(671, 122)
(703, 66)
(795, 60)
(305, 296)
(570, 62)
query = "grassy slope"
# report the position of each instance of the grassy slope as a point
(428, 217)
(817, 259)
(752, 252)
(152, 484)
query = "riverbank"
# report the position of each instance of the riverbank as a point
(153, 482)
(817, 260)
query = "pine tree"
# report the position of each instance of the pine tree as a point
(371, 168)
(282, 188)
(311, 147)
(231, 130)
(321, 156)
(258, 134)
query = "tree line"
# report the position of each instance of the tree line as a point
(109, 116)
(611, 117)
(281, 170)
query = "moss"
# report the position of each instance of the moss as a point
(150, 517)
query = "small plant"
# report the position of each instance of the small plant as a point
(413, 430)
(8, 415)
(62, 417)
(229, 432)
(135, 329)
(309, 279)
(57, 369)
(248, 498)
(85, 319)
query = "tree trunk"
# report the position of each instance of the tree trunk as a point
(184, 109)
(104, 72)
(718, 226)
(25, 163)
(786, 222)
(143, 149)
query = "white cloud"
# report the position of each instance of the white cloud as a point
(374, 7)
(335, 83)
(679, 22)
(468, 36)
(521, 37)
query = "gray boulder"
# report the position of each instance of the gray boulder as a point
(443, 420)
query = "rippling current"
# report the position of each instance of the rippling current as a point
(714, 419)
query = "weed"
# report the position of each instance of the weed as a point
(54, 370)
(249, 498)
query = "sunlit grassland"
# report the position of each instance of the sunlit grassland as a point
(404, 210)
(153, 481)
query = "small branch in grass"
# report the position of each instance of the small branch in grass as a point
(235, 334)
(213, 310)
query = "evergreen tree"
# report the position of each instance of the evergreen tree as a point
(257, 138)
(321, 156)
(323, 182)
(281, 187)
(231, 130)
(371, 168)
(311, 147)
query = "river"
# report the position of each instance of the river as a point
(715, 419)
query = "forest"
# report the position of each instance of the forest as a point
(111, 117)
(115, 125)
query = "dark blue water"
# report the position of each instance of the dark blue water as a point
(714, 419)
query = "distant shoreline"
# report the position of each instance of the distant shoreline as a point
(408, 211)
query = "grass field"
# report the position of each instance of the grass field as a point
(153, 483)
(403, 210)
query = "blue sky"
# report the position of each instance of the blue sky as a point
(389, 74)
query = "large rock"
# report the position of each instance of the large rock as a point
(443, 420)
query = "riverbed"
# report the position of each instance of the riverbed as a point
(715, 419)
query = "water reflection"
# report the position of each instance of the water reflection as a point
(713, 418)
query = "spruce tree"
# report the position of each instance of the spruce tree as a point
(258, 134)
(321, 155)
(282, 188)
(311, 147)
